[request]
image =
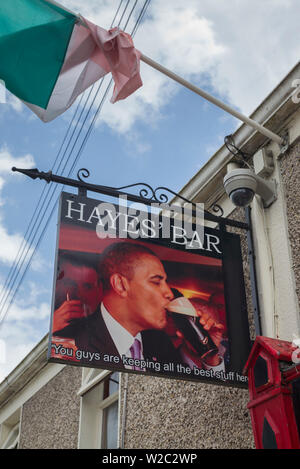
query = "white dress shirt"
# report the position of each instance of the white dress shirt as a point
(123, 340)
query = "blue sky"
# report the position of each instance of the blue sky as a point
(236, 50)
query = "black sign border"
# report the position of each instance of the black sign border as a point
(235, 299)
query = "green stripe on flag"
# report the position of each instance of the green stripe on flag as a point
(34, 37)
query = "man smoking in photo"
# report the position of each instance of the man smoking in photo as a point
(78, 292)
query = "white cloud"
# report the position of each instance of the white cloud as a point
(181, 38)
(10, 242)
(262, 45)
(261, 52)
(19, 312)
(175, 33)
(27, 320)
(7, 160)
(15, 103)
(17, 340)
(100, 13)
(241, 48)
(13, 354)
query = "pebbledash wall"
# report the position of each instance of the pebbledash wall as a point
(53, 406)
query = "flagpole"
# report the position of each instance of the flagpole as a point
(276, 138)
(54, 2)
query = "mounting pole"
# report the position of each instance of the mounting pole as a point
(276, 138)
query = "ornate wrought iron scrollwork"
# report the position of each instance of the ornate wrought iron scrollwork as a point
(82, 173)
(163, 198)
(152, 195)
(146, 195)
(217, 209)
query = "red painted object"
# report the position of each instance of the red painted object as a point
(273, 370)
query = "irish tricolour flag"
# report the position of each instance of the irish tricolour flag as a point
(48, 56)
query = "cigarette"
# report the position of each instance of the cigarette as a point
(68, 297)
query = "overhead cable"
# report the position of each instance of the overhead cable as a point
(17, 267)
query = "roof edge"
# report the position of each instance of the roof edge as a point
(278, 99)
(32, 363)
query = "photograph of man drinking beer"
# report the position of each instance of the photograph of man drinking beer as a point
(139, 315)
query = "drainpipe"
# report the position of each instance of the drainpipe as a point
(253, 277)
(124, 412)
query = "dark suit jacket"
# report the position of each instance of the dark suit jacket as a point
(93, 338)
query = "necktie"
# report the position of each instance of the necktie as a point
(135, 351)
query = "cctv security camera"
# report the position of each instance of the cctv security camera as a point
(242, 184)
